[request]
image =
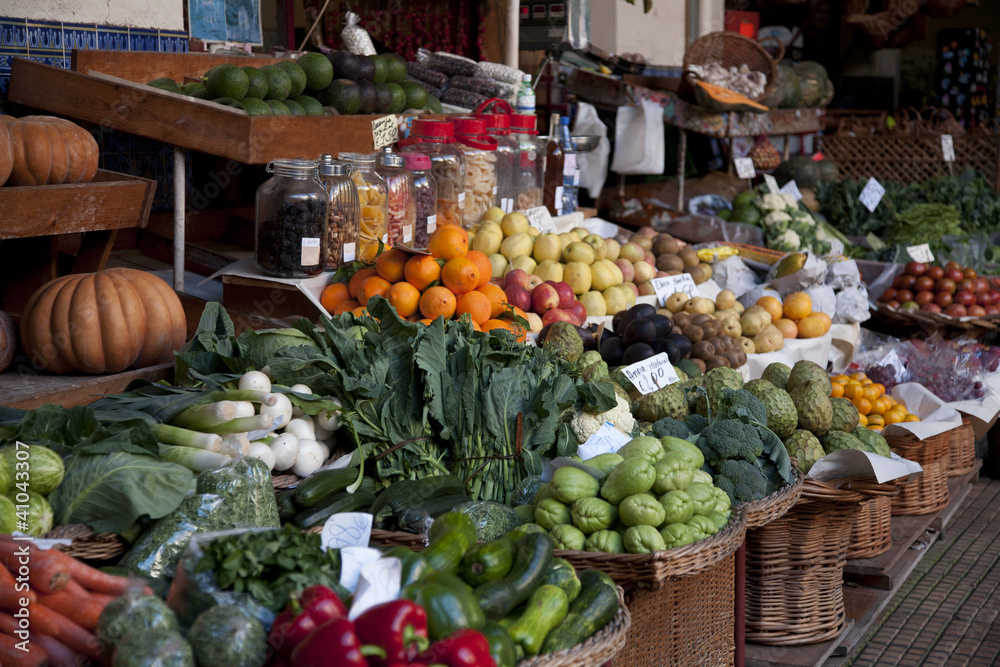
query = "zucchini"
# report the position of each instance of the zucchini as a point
(414, 566)
(414, 519)
(450, 537)
(324, 483)
(488, 561)
(287, 508)
(406, 493)
(335, 504)
(592, 609)
(531, 563)
(562, 574)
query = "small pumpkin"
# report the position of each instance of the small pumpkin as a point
(102, 322)
(46, 150)
(8, 340)
(6, 153)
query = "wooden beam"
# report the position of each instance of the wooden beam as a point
(95, 248)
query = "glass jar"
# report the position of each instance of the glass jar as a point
(344, 217)
(508, 158)
(480, 167)
(402, 208)
(424, 197)
(436, 140)
(531, 172)
(374, 219)
(290, 225)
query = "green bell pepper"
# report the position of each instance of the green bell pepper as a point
(502, 647)
(449, 602)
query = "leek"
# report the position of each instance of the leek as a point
(234, 445)
(243, 425)
(197, 460)
(253, 395)
(174, 435)
(201, 417)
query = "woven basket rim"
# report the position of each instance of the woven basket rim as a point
(597, 649)
(763, 511)
(86, 544)
(728, 40)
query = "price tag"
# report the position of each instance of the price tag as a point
(670, 285)
(432, 223)
(407, 233)
(875, 242)
(461, 198)
(948, 148)
(347, 529)
(352, 559)
(772, 184)
(378, 582)
(744, 167)
(920, 253)
(309, 255)
(871, 195)
(350, 252)
(651, 374)
(540, 218)
(385, 131)
(790, 188)
(608, 439)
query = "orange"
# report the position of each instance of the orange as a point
(797, 305)
(863, 405)
(812, 326)
(787, 327)
(483, 263)
(911, 418)
(870, 392)
(497, 297)
(449, 242)
(859, 376)
(772, 305)
(372, 286)
(881, 389)
(460, 275)
(360, 311)
(477, 305)
(842, 379)
(426, 321)
(877, 429)
(862, 420)
(838, 390)
(475, 326)
(359, 278)
(853, 392)
(405, 298)
(437, 302)
(422, 270)
(390, 264)
(509, 325)
(876, 420)
(346, 307)
(893, 417)
(823, 316)
(333, 295)
(866, 382)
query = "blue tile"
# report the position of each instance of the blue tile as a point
(13, 32)
(4, 85)
(173, 42)
(79, 36)
(45, 36)
(7, 55)
(143, 40)
(112, 39)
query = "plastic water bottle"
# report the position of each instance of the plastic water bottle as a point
(570, 169)
(526, 96)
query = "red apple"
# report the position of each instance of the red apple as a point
(952, 265)
(923, 297)
(633, 287)
(992, 309)
(904, 281)
(661, 274)
(923, 284)
(945, 285)
(544, 298)
(557, 315)
(976, 311)
(517, 277)
(893, 304)
(980, 284)
(955, 310)
(888, 295)
(628, 271)
(518, 296)
(954, 274)
(965, 298)
(915, 268)
(982, 298)
(994, 296)
(965, 285)
(935, 272)
(904, 295)
(995, 282)
(969, 272)
(566, 295)
(931, 308)
(580, 311)
(943, 299)
(650, 259)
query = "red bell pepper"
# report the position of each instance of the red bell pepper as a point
(315, 606)
(399, 627)
(334, 643)
(465, 648)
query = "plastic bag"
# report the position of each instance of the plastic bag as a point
(524, 493)
(812, 273)
(156, 647)
(228, 635)
(733, 274)
(356, 39)
(852, 305)
(823, 300)
(493, 520)
(245, 483)
(639, 139)
(131, 612)
(593, 165)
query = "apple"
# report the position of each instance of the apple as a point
(628, 270)
(979, 284)
(633, 287)
(517, 277)
(924, 297)
(976, 311)
(915, 268)
(995, 282)
(580, 311)
(646, 289)
(992, 309)
(643, 272)
(893, 304)
(944, 299)
(935, 273)
(952, 265)
(566, 295)
(945, 285)
(661, 274)
(534, 281)
(889, 294)
(633, 252)
(923, 284)
(904, 295)
(534, 322)
(544, 298)
(982, 298)
(954, 274)
(557, 315)
(955, 310)
(965, 298)
(912, 306)
(969, 272)
(931, 308)
(519, 297)
(994, 296)
(904, 282)
(965, 285)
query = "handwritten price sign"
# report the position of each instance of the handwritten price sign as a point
(651, 374)
(669, 285)
(872, 194)
(385, 131)
(607, 439)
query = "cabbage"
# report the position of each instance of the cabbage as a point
(260, 346)
(6, 479)
(45, 468)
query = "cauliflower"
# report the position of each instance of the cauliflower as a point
(772, 202)
(820, 233)
(585, 424)
(787, 241)
(790, 200)
(777, 218)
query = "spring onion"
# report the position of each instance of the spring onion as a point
(328, 420)
(173, 435)
(260, 450)
(235, 444)
(300, 389)
(197, 460)
(202, 416)
(286, 449)
(244, 409)
(255, 380)
(300, 428)
(243, 425)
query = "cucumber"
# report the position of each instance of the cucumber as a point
(335, 504)
(450, 536)
(531, 563)
(324, 483)
(414, 518)
(406, 493)
(592, 609)
(287, 508)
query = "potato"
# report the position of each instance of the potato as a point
(699, 304)
(675, 302)
(754, 320)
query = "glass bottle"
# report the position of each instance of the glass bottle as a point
(531, 168)
(424, 197)
(290, 221)
(372, 202)
(344, 218)
(508, 156)
(436, 140)
(555, 162)
(571, 170)
(480, 167)
(399, 185)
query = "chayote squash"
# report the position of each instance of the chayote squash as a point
(593, 514)
(703, 497)
(673, 473)
(631, 476)
(567, 536)
(672, 444)
(676, 535)
(570, 484)
(645, 446)
(643, 540)
(702, 526)
(677, 507)
(642, 509)
(550, 513)
(605, 462)
(608, 541)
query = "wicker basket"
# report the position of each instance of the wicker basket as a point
(937, 322)
(929, 492)
(962, 450)
(795, 566)
(732, 49)
(597, 650)
(764, 511)
(871, 530)
(88, 545)
(690, 621)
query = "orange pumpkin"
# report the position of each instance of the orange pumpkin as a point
(46, 150)
(8, 340)
(102, 322)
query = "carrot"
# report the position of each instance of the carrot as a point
(45, 573)
(60, 655)
(76, 589)
(104, 600)
(8, 624)
(83, 611)
(90, 578)
(68, 632)
(11, 656)
(46, 625)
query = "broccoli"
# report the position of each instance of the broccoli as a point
(670, 426)
(695, 423)
(742, 480)
(741, 404)
(730, 439)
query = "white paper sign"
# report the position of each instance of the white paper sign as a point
(772, 184)
(920, 253)
(744, 167)
(432, 223)
(385, 131)
(352, 559)
(608, 439)
(667, 286)
(947, 148)
(378, 582)
(790, 188)
(853, 463)
(407, 233)
(651, 374)
(347, 529)
(540, 218)
(872, 194)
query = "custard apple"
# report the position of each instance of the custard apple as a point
(874, 440)
(777, 374)
(563, 341)
(714, 381)
(782, 417)
(845, 415)
(835, 440)
(805, 449)
(808, 371)
(666, 402)
(812, 403)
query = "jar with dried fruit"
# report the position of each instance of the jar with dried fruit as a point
(531, 160)
(344, 218)
(291, 221)
(508, 158)
(425, 198)
(401, 205)
(480, 167)
(372, 196)
(436, 140)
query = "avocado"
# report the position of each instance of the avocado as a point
(398, 98)
(416, 95)
(369, 97)
(297, 75)
(255, 107)
(279, 84)
(258, 82)
(278, 108)
(433, 104)
(228, 102)
(385, 98)
(164, 83)
(192, 87)
(319, 71)
(343, 95)
(344, 65)
(227, 81)
(294, 108)
(381, 69)
(395, 68)
(311, 105)
(365, 69)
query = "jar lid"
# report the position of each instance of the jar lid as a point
(433, 128)
(417, 161)
(291, 167)
(497, 121)
(470, 126)
(523, 122)
(333, 168)
(363, 158)
(393, 160)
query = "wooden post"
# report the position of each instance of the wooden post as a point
(681, 167)
(179, 177)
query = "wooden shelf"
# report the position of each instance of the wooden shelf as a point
(27, 390)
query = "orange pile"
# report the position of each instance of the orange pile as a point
(877, 408)
(795, 317)
(450, 282)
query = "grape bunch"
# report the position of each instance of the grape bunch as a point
(884, 375)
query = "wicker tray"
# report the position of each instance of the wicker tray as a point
(597, 650)
(929, 492)
(764, 511)
(88, 545)
(962, 450)
(932, 322)
(732, 49)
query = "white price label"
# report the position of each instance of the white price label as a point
(461, 198)
(352, 560)
(651, 374)
(432, 223)
(920, 253)
(540, 218)
(744, 167)
(772, 184)
(872, 194)
(608, 439)
(310, 251)
(670, 285)
(378, 582)
(350, 252)
(407, 233)
(948, 148)
(385, 131)
(791, 188)
(347, 529)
